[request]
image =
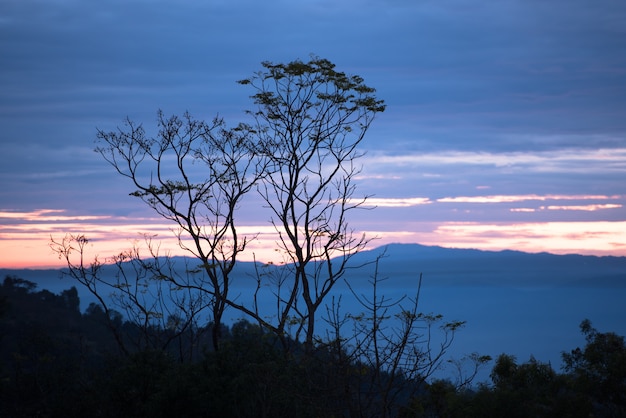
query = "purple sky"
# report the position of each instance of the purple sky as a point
(505, 125)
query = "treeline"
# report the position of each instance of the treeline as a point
(57, 361)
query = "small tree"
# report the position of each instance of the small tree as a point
(144, 290)
(310, 121)
(397, 348)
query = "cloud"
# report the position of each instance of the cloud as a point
(48, 215)
(447, 174)
(28, 215)
(558, 237)
(565, 160)
(591, 238)
(588, 208)
(523, 198)
(397, 202)
(585, 208)
(24, 233)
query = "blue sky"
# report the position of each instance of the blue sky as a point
(505, 124)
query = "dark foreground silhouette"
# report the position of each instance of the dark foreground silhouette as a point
(57, 361)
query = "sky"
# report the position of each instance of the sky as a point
(505, 125)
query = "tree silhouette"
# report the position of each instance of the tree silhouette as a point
(310, 121)
(599, 370)
(194, 174)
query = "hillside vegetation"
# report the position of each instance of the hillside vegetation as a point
(57, 361)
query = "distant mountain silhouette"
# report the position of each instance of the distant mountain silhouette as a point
(441, 266)
(469, 266)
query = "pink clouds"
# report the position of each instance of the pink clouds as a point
(25, 236)
(591, 238)
(588, 208)
(397, 202)
(522, 198)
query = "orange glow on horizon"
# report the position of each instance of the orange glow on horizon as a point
(25, 240)
(591, 238)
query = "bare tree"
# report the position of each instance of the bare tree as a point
(71, 249)
(311, 120)
(194, 174)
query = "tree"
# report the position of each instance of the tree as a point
(147, 291)
(194, 174)
(310, 121)
(391, 350)
(599, 370)
(300, 154)
(70, 299)
(531, 389)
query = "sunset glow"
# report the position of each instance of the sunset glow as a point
(508, 133)
(31, 233)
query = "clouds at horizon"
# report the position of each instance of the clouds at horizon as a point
(31, 233)
(485, 100)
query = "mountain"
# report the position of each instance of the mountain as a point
(403, 263)
(448, 266)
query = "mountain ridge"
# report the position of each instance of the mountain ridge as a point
(448, 266)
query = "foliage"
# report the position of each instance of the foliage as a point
(52, 365)
(592, 385)
(599, 370)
